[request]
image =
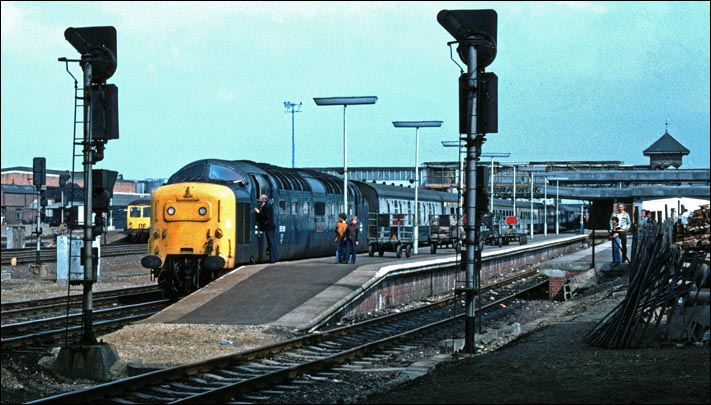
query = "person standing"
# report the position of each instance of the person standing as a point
(352, 233)
(340, 239)
(643, 218)
(615, 237)
(265, 223)
(624, 223)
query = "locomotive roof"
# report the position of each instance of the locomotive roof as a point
(285, 178)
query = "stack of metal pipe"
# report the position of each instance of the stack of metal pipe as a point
(667, 297)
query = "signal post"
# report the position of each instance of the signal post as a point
(475, 32)
(97, 46)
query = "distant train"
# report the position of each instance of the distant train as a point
(138, 221)
(203, 222)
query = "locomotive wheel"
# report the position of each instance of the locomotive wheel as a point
(371, 250)
(408, 251)
(433, 248)
(381, 252)
(522, 240)
(398, 252)
(500, 241)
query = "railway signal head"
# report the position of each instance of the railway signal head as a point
(97, 45)
(102, 189)
(472, 28)
(39, 171)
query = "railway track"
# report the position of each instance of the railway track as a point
(29, 255)
(265, 374)
(37, 326)
(19, 311)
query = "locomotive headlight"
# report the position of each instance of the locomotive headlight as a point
(202, 211)
(170, 211)
(218, 233)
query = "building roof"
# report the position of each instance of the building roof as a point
(666, 145)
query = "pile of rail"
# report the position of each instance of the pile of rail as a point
(668, 295)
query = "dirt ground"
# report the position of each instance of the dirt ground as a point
(552, 364)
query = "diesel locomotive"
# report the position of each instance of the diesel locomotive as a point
(203, 222)
(138, 220)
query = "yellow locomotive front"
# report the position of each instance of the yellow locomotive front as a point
(192, 236)
(138, 221)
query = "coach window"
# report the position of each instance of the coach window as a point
(307, 207)
(294, 205)
(320, 208)
(282, 207)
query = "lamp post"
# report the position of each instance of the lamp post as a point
(345, 102)
(530, 212)
(491, 176)
(292, 108)
(557, 180)
(460, 179)
(545, 207)
(417, 125)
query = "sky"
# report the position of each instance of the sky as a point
(578, 81)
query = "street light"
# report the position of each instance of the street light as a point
(345, 101)
(545, 206)
(557, 179)
(491, 176)
(417, 125)
(292, 108)
(460, 179)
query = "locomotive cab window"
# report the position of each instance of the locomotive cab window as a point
(223, 173)
(134, 212)
(191, 173)
(146, 212)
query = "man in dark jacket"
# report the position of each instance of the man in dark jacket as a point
(352, 233)
(265, 223)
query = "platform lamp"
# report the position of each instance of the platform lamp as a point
(515, 165)
(292, 108)
(417, 125)
(557, 199)
(460, 179)
(345, 102)
(492, 155)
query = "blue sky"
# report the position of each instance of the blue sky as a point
(577, 81)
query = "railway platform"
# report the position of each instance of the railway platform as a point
(305, 294)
